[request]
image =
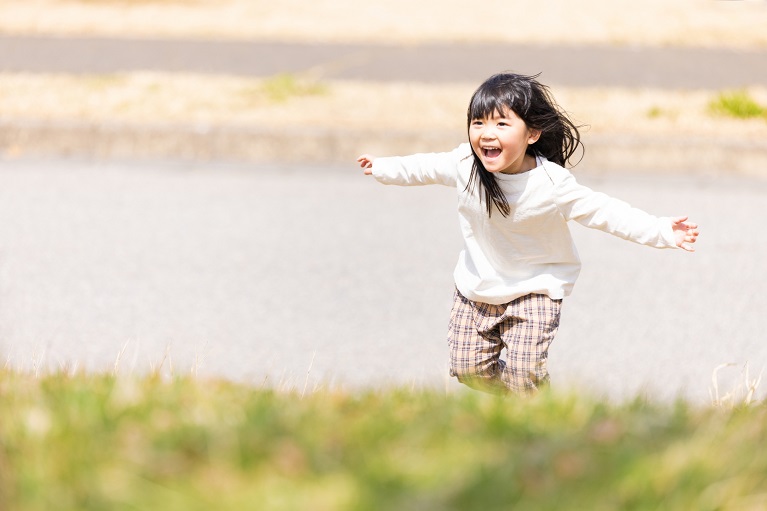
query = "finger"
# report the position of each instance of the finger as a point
(679, 219)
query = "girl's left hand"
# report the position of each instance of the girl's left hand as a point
(685, 233)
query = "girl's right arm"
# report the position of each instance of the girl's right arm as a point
(416, 169)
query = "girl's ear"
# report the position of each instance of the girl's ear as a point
(533, 137)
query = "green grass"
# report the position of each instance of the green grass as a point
(282, 87)
(738, 104)
(100, 442)
(655, 112)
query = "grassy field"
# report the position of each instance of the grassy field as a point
(103, 442)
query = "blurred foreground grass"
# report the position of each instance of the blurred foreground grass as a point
(93, 442)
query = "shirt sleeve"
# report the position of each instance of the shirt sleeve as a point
(597, 210)
(422, 168)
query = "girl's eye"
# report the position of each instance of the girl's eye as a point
(476, 123)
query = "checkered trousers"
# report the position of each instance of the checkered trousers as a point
(478, 332)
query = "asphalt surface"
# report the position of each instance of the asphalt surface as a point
(306, 277)
(673, 67)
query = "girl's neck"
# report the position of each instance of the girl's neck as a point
(528, 163)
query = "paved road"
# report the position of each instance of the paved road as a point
(320, 276)
(559, 65)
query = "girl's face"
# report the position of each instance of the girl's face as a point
(501, 142)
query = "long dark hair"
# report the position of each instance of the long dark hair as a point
(534, 104)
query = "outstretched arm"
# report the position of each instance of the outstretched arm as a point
(416, 169)
(685, 233)
(366, 162)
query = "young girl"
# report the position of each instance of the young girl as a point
(514, 201)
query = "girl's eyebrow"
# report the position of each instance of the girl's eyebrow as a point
(492, 116)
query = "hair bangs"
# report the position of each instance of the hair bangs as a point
(496, 96)
(486, 105)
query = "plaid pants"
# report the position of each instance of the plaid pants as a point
(479, 331)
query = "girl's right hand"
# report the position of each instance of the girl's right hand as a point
(366, 162)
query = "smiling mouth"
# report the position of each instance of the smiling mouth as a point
(491, 152)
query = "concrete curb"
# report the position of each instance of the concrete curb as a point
(261, 145)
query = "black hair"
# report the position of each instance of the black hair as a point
(534, 104)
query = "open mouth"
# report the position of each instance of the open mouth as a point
(491, 152)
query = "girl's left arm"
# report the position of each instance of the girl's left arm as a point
(600, 211)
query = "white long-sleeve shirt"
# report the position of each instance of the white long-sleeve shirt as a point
(530, 250)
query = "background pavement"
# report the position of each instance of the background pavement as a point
(301, 277)
(563, 65)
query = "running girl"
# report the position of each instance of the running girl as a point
(514, 201)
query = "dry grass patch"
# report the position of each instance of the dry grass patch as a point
(712, 23)
(289, 100)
